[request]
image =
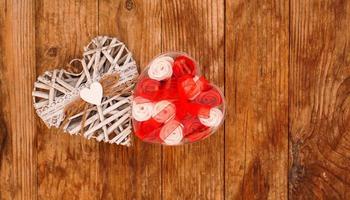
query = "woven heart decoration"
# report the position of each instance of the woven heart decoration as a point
(95, 103)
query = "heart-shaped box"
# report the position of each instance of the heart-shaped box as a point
(107, 65)
(174, 104)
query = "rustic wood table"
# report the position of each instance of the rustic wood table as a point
(284, 67)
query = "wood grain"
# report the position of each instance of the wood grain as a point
(18, 159)
(68, 167)
(256, 79)
(195, 27)
(135, 172)
(319, 100)
(284, 67)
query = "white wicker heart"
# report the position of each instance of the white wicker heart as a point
(108, 121)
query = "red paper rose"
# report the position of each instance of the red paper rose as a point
(184, 66)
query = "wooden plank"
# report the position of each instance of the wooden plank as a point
(256, 139)
(195, 171)
(319, 100)
(17, 123)
(68, 166)
(135, 172)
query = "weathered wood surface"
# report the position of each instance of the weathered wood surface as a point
(284, 67)
(319, 100)
(257, 95)
(18, 135)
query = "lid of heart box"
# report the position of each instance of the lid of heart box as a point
(174, 103)
(106, 65)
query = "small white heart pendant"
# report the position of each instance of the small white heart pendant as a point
(92, 95)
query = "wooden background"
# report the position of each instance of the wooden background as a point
(284, 67)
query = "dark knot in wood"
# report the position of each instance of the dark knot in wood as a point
(52, 52)
(129, 4)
